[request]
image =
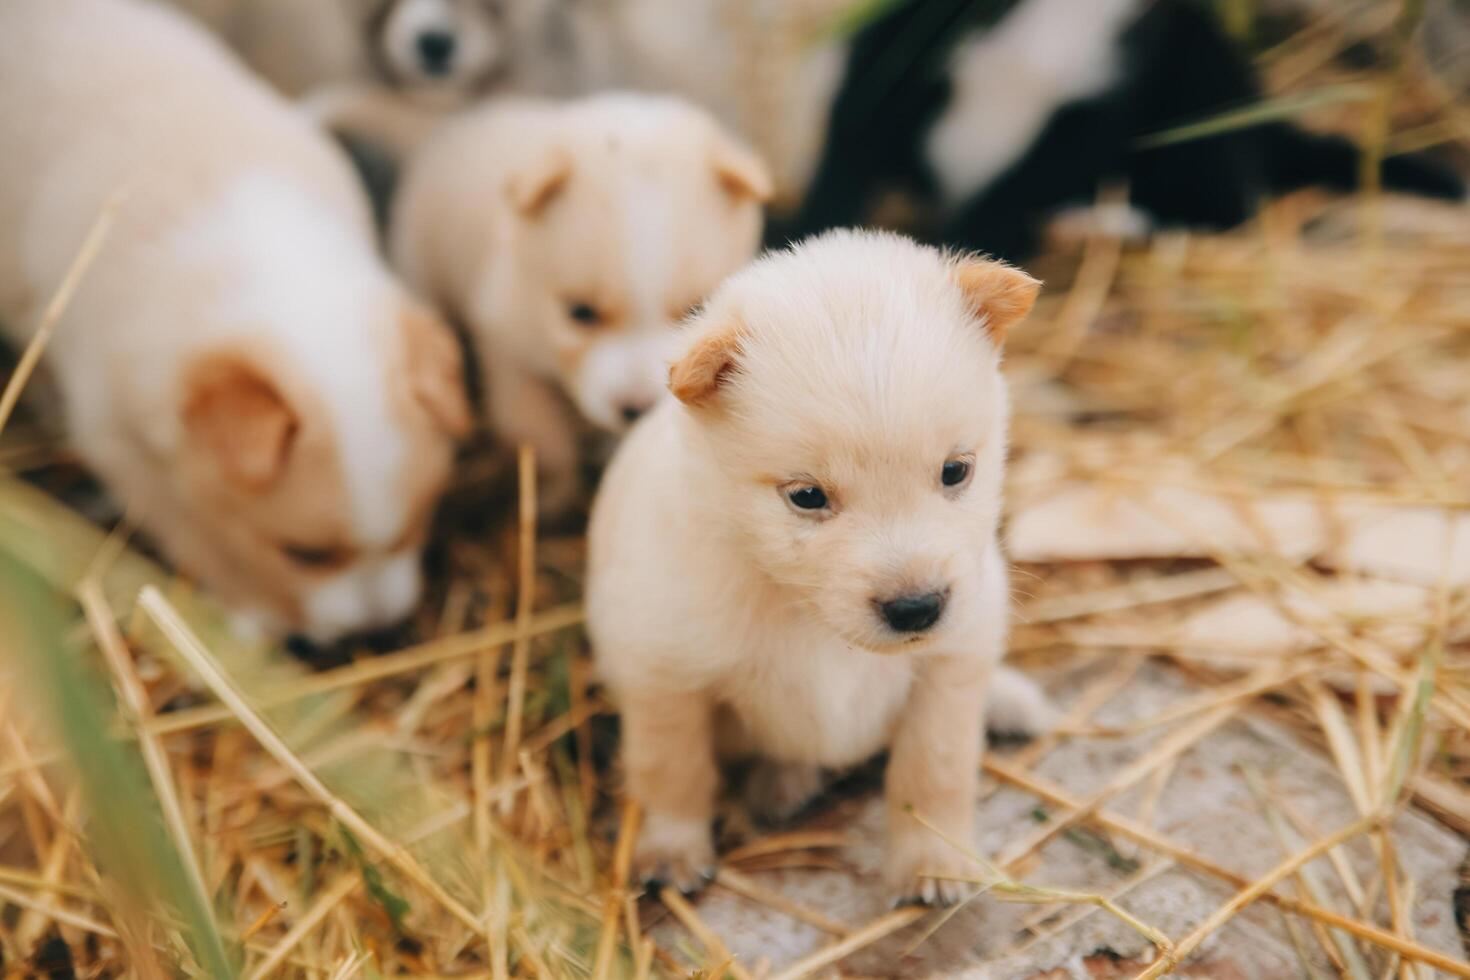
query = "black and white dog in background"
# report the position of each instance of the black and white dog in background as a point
(992, 115)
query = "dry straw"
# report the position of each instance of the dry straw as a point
(1316, 354)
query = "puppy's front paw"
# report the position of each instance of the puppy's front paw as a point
(923, 869)
(674, 851)
(777, 791)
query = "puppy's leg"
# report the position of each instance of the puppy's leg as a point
(934, 773)
(1016, 705)
(526, 410)
(668, 751)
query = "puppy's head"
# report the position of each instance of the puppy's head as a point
(627, 214)
(448, 46)
(847, 422)
(304, 488)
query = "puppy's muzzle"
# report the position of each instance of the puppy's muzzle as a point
(913, 613)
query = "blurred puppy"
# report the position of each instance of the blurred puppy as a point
(797, 558)
(569, 239)
(455, 45)
(237, 364)
(456, 48)
(426, 58)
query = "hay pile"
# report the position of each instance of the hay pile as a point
(1242, 474)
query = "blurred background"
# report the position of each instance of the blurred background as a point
(1238, 510)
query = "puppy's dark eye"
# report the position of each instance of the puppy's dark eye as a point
(317, 558)
(584, 313)
(807, 498)
(955, 472)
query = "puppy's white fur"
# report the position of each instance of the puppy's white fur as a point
(1008, 81)
(238, 365)
(570, 239)
(725, 620)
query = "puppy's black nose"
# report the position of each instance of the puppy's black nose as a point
(913, 613)
(436, 50)
(631, 411)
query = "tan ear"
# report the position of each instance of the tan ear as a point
(999, 294)
(742, 173)
(233, 412)
(536, 186)
(695, 378)
(436, 371)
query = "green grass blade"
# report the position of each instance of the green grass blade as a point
(1268, 111)
(126, 832)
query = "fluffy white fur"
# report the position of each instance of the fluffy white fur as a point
(728, 621)
(570, 239)
(1008, 81)
(238, 365)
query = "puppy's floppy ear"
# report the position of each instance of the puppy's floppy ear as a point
(741, 172)
(233, 413)
(535, 186)
(436, 371)
(999, 294)
(696, 377)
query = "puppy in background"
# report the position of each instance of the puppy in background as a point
(452, 48)
(422, 59)
(569, 239)
(797, 558)
(448, 48)
(237, 365)
(426, 58)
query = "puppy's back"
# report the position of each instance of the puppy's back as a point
(101, 96)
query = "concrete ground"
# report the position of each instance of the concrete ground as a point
(1203, 802)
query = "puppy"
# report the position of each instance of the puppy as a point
(569, 239)
(456, 45)
(423, 59)
(797, 557)
(455, 48)
(237, 365)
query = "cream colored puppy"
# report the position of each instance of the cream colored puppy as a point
(569, 239)
(797, 558)
(237, 364)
